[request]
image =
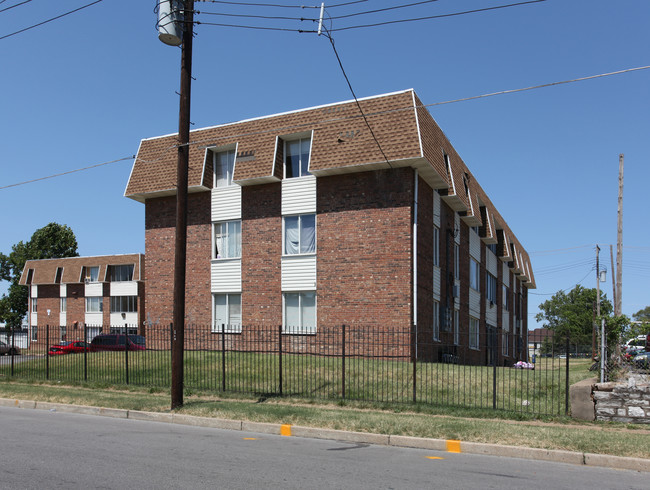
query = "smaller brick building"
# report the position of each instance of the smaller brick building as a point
(96, 292)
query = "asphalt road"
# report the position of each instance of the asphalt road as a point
(48, 449)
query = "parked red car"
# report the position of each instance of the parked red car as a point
(69, 347)
(117, 342)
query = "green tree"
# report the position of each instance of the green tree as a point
(572, 314)
(641, 326)
(50, 242)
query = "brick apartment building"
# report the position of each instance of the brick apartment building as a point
(308, 219)
(98, 292)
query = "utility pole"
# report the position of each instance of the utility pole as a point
(618, 309)
(597, 281)
(176, 27)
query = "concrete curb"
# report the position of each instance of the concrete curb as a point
(551, 455)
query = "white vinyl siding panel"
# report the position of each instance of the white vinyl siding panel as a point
(299, 195)
(475, 246)
(226, 203)
(457, 227)
(436, 283)
(93, 319)
(226, 276)
(63, 291)
(491, 262)
(131, 318)
(299, 273)
(506, 275)
(63, 318)
(34, 293)
(491, 312)
(93, 289)
(125, 288)
(474, 303)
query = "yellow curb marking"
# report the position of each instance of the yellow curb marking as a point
(250, 438)
(285, 430)
(434, 457)
(453, 446)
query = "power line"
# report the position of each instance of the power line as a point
(339, 119)
(327, 34)
(50, 20)
(383, 10)
(13, 6)
(440, 16)
(68, 172)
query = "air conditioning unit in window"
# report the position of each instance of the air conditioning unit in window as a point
(87, 280)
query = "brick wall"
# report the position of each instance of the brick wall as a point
(160, 224)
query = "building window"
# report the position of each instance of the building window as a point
(224, 167)
(474, 271)
(491, 288)
(300, 312)
(62, 333)
(227, 240)
(34, 304)
(94, 304)
(30, 276)
(227, 312)
(436, 246)
(120, 273)
(34, 333)
(59, 274)
(90, 274)
(456, 262)
(63, 302)
(506, 298)
(124, 304)
(492, 247)
(504, 343)
(456, 327)
(300, 234)
(436, 320)
(296, 160)
(473, 333)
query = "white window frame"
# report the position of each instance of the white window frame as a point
(234, 323)
(94, 302)
(474, 274)
(230, 164)
(131, 303)
(474, 328)
(301, 328)
(88, 273)
(300, 142)
(63, 304)
(34, 305)
(436, 320)
(227, 253)
(125, 273)
(491, 287)
(300, 218)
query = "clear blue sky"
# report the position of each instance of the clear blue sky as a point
(86, 88)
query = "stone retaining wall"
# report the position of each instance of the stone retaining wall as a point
(627, 402)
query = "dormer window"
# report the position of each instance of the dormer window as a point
(120, 273)
(90, 274)
(224, 167)
(296, 159)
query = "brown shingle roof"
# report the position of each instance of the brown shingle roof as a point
(44, 270)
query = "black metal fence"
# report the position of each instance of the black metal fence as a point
(396, 365)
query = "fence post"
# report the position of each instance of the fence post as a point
(223, 357)
(126, 351)
(566, 382)
(85, 352)
(343, 361)
(13, 347)
(415, 360)
(280, 357)
(47, 348)
(495, 353)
